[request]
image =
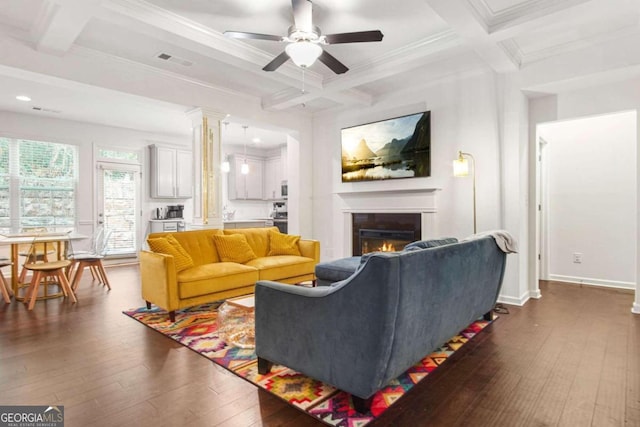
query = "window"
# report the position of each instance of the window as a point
(5, 212)
(118, 154)
(38, 185)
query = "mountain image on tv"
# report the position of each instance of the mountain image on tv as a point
(388, 149)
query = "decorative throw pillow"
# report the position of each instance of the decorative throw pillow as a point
(170, 246)
(233, 248)
(283, 244)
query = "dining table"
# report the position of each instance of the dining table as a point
(59, 239)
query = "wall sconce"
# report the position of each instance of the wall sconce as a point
(461, 169)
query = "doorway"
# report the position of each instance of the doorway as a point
(587, 199)
(118, 206)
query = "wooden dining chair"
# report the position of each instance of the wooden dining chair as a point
(41, 251)
(5, 289)
(43, 271)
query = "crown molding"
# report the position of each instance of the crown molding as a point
(512, 50)
(421, 48)
(631, 30)
(518, 13)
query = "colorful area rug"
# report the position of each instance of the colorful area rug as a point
(197, 329)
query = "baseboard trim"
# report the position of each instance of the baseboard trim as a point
(636, 308)
(514, 301)
(593, 282)
(535, 294)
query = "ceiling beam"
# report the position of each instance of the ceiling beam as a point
(214, 45)
(59, 23)
(471, 27)
(410, 57)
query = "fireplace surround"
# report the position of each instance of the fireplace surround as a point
(419, 203)
(373, 232)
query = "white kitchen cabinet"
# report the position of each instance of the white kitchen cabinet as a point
(184, 174)
(249, 186)
(171, 173)
(273, 178)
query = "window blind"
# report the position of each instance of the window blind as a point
(46, 175)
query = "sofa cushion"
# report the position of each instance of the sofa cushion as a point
(170, 246)
(233, 248)
(258, 238)
(430, 243)
(334, 271)
(197, 243)
(217, 277)
(282, 266)
(283, 244)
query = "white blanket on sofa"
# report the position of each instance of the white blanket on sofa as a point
(505, 241)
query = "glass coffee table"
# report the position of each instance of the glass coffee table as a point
(236, 321)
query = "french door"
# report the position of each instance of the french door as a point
(118, 206)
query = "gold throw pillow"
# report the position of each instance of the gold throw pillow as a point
(233, 248)
(170, 246)
(283, 244)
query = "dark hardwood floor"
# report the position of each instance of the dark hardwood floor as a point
(571, 358)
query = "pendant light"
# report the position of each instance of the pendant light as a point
(244, 169)
(225, 166)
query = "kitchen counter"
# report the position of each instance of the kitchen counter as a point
(247, 223)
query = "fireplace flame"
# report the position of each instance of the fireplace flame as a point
(387, 247)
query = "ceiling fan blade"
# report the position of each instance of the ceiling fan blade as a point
(276, 62)
(253, 36)
(302, 15)
(357, 37)
(330, 61)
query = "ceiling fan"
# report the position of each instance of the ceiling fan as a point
(305, 40)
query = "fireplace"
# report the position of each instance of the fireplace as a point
(373, 232)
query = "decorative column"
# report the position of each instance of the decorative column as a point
(207, 200)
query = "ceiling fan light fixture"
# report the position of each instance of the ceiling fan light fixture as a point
(303, 53)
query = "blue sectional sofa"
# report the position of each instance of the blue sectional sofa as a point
(360, 333)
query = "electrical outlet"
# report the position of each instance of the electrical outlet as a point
(577, 258)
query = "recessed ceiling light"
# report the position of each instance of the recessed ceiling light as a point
(24, 98)
(256, 139)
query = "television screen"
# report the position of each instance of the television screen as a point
(388, 149)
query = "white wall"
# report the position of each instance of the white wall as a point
(463, 117)
(601, 99)
(591, 199)
(86, 136)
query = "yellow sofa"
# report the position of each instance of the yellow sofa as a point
(210, 279)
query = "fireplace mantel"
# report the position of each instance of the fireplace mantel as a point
(409, 200)
(386, 192)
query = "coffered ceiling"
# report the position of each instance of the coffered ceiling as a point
(96, 60)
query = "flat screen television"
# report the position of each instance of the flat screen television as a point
(394, 148)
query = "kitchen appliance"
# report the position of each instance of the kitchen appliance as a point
(280, 216)
(174, 211)
(159, 213)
